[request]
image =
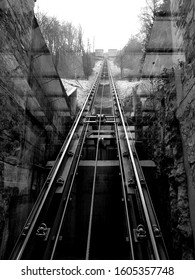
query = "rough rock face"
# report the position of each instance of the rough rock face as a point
(31, 127)
(178, 190)
(168, 154)
(184, 34)
(15, 171)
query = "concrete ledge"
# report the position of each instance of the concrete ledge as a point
(99, 163)
(147, 163)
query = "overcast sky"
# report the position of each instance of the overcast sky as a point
(107, 23)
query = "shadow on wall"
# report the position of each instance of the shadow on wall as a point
(34, 119)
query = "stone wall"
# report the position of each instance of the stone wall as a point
(185, 86)
(171, 132)
(34, 119)
(165, 149)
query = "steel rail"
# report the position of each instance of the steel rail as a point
(55, 170)
(151, 211)
(94, 182)
(124, 195)
(73, 177)
(68, 197)
(153, 215)
(146, 214)
(71, 186)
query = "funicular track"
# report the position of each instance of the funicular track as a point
(95, 202)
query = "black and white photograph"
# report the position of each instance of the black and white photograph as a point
(97, 138)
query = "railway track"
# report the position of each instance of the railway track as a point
(95, 202)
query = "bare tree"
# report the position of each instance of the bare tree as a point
(129, 57)
(147, 18)
(66, 40)
(59, 36)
